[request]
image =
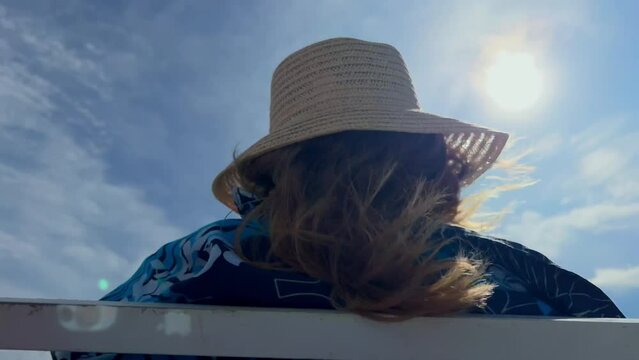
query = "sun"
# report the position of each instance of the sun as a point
(513, 81)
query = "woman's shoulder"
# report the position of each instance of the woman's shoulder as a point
(178, 260)
(521, 272)
(474, 243)
(224, 230)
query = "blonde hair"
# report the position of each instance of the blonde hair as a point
(360, 210)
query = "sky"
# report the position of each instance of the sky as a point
(116, 115)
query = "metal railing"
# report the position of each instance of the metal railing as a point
(27, 324)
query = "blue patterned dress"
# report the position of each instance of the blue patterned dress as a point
(202, 268)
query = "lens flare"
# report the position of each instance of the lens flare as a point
(103, 284)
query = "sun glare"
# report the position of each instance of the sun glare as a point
(513, 81)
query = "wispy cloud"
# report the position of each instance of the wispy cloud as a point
(620, 278)
(608, 153)
(602, 165)
(551, 234)
(596, 187)
(64, 225)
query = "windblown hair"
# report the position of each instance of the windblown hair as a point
(361, 211)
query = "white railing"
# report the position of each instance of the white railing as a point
(27, 324)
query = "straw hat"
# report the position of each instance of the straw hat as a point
(348, 84)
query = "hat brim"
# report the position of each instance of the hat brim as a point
(476, 146)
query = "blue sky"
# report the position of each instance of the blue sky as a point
(116, 115)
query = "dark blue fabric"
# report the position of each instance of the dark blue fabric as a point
(202, 268)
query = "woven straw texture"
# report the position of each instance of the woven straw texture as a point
(348, 84)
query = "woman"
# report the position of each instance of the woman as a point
(353, 202)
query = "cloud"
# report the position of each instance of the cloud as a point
(551, 234)
(547, 145)
(602, 165)
(596, 186)
(598, 133)
(623, 278)
(606, 151)
(63, 223)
